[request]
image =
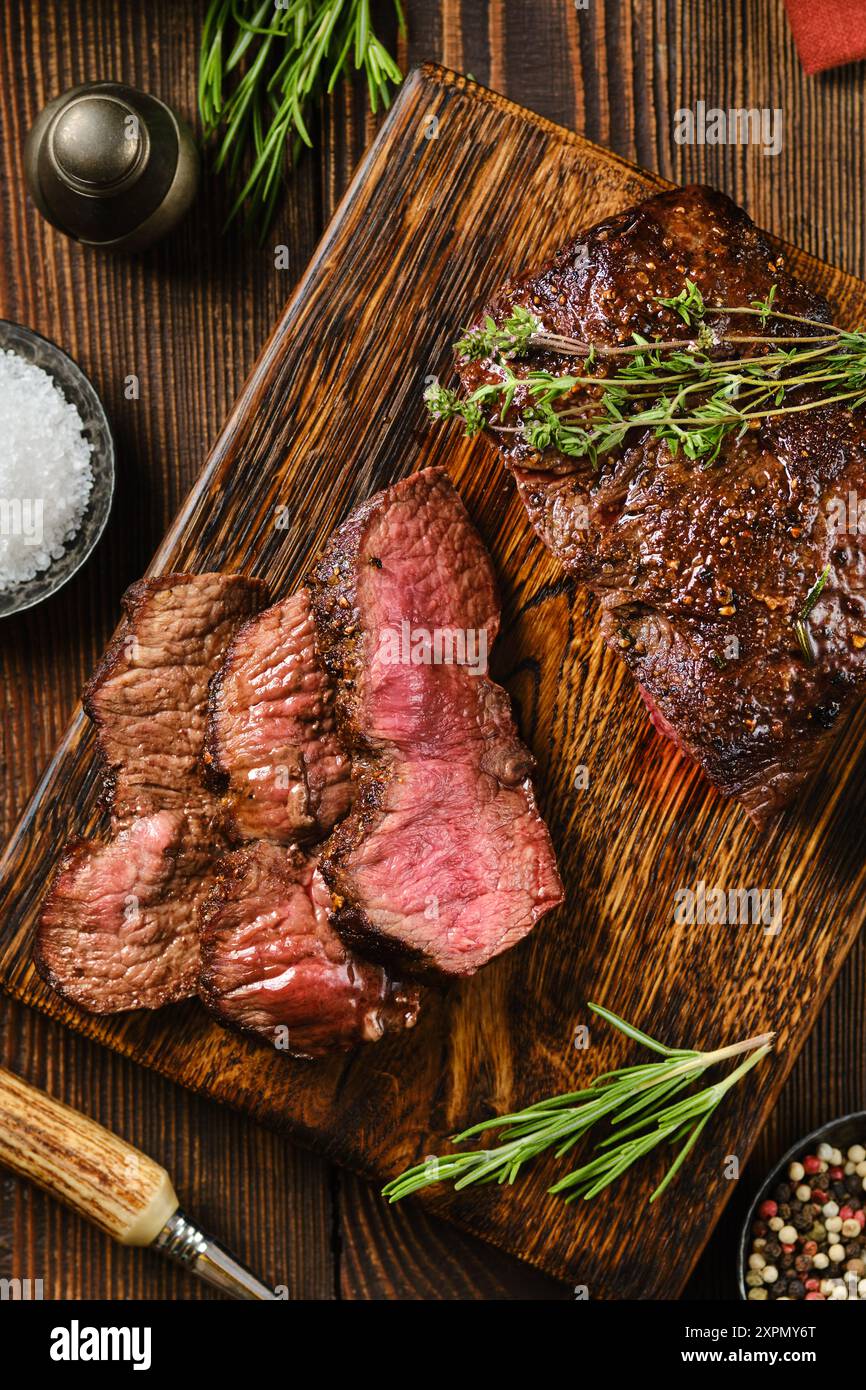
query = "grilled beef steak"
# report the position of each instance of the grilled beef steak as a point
(272, 965)
(119, 926)
(702, 571)
(271, 732)
(148, 698)
(444, 861)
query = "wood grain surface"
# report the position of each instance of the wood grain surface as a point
(193, 314)
(428, 226)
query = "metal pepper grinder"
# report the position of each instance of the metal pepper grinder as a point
(111, 166)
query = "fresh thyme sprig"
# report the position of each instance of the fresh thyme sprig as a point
(638, 1100)
(512, 340)
(681, 390)
(801, 626)
(689, 303)
(261, 67)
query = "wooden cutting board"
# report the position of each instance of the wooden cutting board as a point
(461, 188)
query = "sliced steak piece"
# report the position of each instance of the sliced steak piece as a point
(701, 572)
(119, 928)
(271, 733)
(444, 861)
(273, 966)
(148, 697)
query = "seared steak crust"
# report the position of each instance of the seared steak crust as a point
(148, 697)
(119, 929)
(702, 571)
(443, 861)
(273, 967)
(271, 739)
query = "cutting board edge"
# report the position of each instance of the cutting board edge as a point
(78, 721)
(448, 77)
(440, 76)
(60, 1011)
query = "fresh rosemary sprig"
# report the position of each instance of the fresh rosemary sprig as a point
(638, 1100)
(260, 68)
(801, 626)
(683, 391)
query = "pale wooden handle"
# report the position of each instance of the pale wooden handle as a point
(115, 1186)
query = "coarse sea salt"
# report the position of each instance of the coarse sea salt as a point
(45, 473)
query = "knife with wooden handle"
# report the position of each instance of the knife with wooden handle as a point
(118, 1188)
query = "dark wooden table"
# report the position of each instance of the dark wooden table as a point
(188, 319)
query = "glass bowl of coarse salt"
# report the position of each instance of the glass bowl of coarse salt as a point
(56, 468)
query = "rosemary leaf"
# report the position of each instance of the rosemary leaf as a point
(801, 624)
(262, 68)
(814, 593)
(559, 1122)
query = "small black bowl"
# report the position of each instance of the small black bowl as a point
(841, 1133)
(76, 387)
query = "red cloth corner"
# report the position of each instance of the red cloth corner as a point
(828, 33)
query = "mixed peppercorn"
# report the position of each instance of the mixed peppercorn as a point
(808, 1241)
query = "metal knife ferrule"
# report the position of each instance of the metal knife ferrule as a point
(185, 1243)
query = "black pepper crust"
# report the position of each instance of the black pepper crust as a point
(701, 572)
